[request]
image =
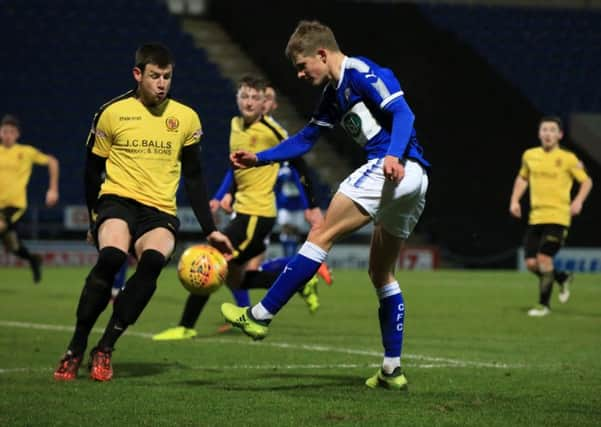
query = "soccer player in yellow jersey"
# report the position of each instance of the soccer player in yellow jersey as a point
(549, 171)
(142, 142)
(16, 162)
(254, 205)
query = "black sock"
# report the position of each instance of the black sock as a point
(134, 298)
(257, 279)
(192, 310)
(113, 331)
(546, 287)
(95, 295)
(560, 276)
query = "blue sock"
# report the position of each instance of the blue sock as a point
(119, 282)
(241, 297)
(297, 272)
(275, 265)
(392, 318)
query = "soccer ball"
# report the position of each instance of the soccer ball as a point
(202, 269)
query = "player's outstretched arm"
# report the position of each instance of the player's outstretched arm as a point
(295, 146)
(53, 173)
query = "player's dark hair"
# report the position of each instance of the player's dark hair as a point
(153, 53)
(252, 82)
(308, 37)
(552, 119)
(10, 120)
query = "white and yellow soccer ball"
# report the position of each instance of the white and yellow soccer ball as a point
(202, 269)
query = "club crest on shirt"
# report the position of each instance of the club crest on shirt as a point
(172, 123)
(98, 132)
(558, 163)
(352, 124)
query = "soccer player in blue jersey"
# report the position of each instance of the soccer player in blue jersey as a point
(389, 189)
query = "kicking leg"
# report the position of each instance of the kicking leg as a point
(343, 216)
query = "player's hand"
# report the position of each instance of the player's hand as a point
(393, 169)
(226, 203)
(220, 241)
(575, 207)
(515, 209)
(243, 159)
(314, 216)
(51, 198)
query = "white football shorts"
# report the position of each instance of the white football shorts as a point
(397, 207)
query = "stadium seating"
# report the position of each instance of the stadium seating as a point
(63, 59)
(551, 55)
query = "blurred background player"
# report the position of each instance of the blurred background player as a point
(254, 209)
(297, 208)
(549, 171)
(389, 189)
(16, 162)
(133, 208)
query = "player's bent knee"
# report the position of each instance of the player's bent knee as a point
(532, 265)
(545, 263)
(110, 260)
(151, 263)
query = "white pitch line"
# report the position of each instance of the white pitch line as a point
(434, 361)
(271, 367)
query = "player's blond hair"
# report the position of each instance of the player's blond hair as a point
(308, 37)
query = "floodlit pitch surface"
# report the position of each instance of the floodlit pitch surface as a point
(471, 355)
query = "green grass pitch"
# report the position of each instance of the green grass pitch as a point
(472, 357)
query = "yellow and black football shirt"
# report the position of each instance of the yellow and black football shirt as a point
(16, 163)
(550, 175)
(142, 147)
(254, 186)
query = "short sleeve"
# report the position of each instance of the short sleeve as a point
(524, 170)
(38, 158)
(576, 169)
(194, 132)
(101, 135)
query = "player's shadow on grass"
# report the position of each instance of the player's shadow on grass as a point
(314, 381)
(137, 369)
